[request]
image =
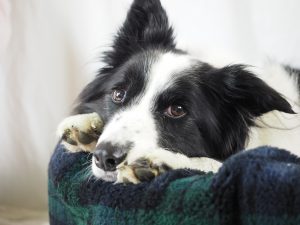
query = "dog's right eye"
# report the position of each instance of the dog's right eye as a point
(118, 96)
(175, 111)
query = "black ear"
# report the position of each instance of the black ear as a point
(245, 92)
(146, 26)
(235, 97)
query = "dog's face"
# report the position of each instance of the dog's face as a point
(154, 96)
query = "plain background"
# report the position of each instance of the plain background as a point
(50, 49)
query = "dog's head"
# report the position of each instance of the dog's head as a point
(152, 95)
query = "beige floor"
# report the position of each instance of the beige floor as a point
(17, 216)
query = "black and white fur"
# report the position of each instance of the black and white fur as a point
(227, 108)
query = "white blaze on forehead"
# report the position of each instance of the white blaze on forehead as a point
(136, 123)
(163, 74)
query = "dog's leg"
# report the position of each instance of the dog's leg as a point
(80, 132)
(158, 162)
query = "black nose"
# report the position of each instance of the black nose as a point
(107, 157)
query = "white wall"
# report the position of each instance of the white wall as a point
(49, 50)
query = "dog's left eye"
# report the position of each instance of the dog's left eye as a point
(175, 111)
(118, 96)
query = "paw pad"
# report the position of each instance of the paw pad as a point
(140, 170)
(81, 132)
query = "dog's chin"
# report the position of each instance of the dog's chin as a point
(110, 176)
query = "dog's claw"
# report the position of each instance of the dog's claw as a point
(97, 127)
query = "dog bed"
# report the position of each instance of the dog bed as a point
(260, 186)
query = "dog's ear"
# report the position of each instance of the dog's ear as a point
(235, 98)
(244, 91)
(146, 26)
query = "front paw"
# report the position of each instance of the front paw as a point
(80, 132)
(140, 170)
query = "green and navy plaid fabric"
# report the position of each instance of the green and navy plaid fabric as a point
(260, 186)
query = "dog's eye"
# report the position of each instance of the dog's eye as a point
(175, 111)
(118, 96)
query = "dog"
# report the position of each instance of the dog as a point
(153, 107)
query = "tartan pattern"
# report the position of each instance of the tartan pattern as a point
(261, 186)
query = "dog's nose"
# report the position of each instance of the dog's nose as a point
(108, 158)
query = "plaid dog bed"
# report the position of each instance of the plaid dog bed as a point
(260, 186)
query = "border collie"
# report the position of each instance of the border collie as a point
(158, 108)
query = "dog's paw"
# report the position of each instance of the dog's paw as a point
(140, 170)
(80, 132)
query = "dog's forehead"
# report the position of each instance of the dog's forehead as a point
(164, 71)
